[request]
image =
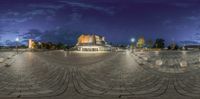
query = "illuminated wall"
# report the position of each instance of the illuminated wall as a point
(85, 39)
(31, 44)
(92, 43)
(90, 39)
(30, 41)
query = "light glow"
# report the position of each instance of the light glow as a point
(132, 40)
(17, 39)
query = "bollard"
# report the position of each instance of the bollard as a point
(159, 62)
(1, 60)
(183, 64)
(145, 58)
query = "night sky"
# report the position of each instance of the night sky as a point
(117, 20)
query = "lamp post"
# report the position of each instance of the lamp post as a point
(17, 40)
(132, 42)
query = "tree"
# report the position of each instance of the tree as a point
(140, 43)
(173, 46)
(34, 44)
(176, 47)
(149, 43)
(160, 43)
(60, 46)
(169, 47)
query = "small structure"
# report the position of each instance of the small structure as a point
(92, 43)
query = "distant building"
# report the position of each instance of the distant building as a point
(192, 47)
(92, 43)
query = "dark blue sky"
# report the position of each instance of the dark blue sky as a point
(117, 20)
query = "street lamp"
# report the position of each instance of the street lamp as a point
(132, 42)
(17, 40)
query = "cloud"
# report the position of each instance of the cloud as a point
(13, 17)
(89, 6)
(167, 22)
(10, 43)
(46, 6)
(11, 13)
(40, 12)
(14, 20)
(183, 5)
(189, 42)
(175, 3)
(35, 12)
(23, 19)
(58, 35)
(196, 37)
(48, 11)
(195, 40)
(75, 17)
(193, 18)
(32, 34)
(164, 1)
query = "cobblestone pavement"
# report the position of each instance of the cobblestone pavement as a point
(70, 75)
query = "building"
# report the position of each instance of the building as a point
(192, 47)
(32, 44)
(92, 43)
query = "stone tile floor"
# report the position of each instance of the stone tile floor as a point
(72, 75)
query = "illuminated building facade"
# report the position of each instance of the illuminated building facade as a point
(92, 43)
(31, 44)
(40, 45)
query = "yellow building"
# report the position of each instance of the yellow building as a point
(92, 43)
(86, 39)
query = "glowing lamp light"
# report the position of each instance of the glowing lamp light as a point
(17, 39)
(132, 40)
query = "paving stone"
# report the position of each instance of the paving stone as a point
(110, 75)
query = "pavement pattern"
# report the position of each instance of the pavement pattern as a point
(114, 75)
